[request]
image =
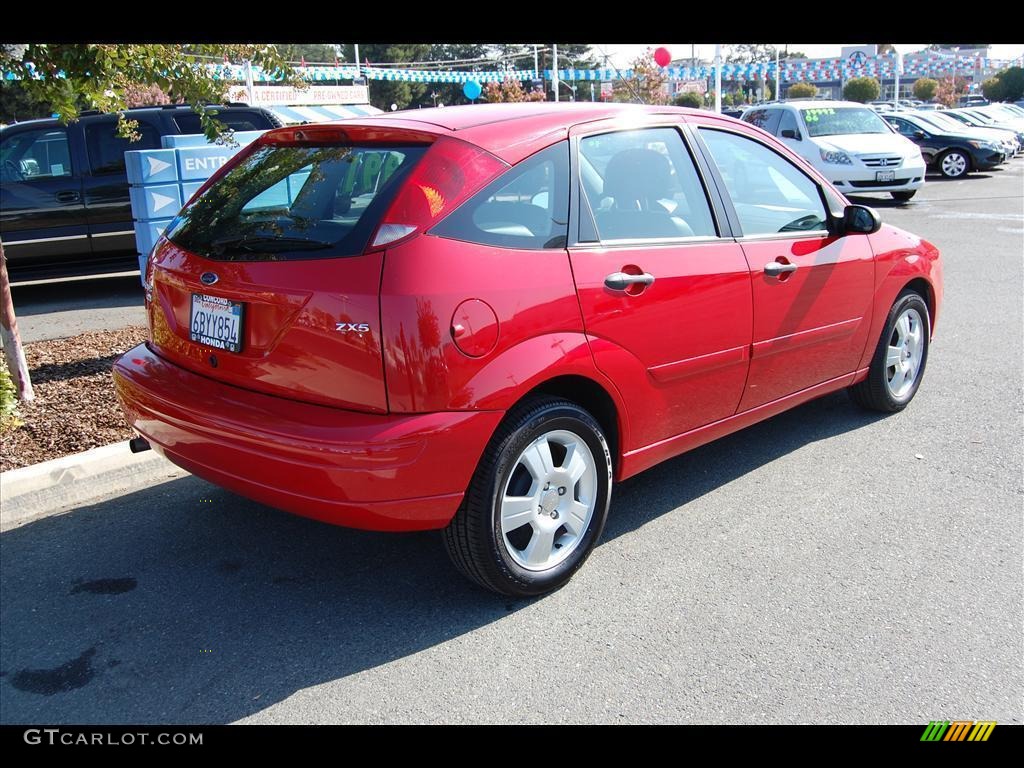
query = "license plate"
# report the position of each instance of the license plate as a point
(885, 176)
(216, 322)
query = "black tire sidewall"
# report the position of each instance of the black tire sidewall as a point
(878, 367)
(558, 416)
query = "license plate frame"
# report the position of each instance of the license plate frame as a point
(885, 175)
(224, 318)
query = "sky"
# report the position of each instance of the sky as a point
(622, 55)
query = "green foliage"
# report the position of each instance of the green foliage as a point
(8, 400)
(689, 99)
(862, 89)
(313, 53)
(802, 91)
(647, 85)
(68, 76)
(925, 88)
(17, 104)
(1007, 85)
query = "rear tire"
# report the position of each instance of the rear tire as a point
(537, 503)
(900, 357)
(903, 196)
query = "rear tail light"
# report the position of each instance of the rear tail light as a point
(450, 172)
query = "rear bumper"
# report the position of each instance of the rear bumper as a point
(394, 473)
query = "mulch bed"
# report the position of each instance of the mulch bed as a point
(75, 408)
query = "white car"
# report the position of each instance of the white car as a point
(848, 142)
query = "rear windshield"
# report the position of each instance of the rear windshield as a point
(838, 121)
(294, 203)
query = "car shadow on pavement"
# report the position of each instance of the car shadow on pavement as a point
(183, 603)
(105, 292)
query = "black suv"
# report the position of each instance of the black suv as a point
(64, 207)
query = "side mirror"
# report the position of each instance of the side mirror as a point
(861, 220)
(789, 133)
(920, 135)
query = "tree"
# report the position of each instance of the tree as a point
(862, 89)
(509, 90)
(1007, 85)
(384, 93)
(647, 85)
(802, 91)
(925, 88)
(949, 91)
(885, 48)
(72, 76)
(689, 99)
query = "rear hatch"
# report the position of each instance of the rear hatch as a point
(264, 280)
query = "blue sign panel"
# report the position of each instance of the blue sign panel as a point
(200, 162)
(162, 201)
(146, 235)
(199, 140)
(188, 189)
(151, 166)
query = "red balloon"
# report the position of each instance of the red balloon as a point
(662, 57)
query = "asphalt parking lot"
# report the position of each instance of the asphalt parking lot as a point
(828, 566)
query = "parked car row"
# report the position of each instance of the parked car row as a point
(861, 148)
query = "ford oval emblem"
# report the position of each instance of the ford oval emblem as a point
(208, 278)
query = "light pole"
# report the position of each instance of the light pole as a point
(956, 62)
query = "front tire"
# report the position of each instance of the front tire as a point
(900, 357)
(904, 196)
(537, 503)
(954, 164)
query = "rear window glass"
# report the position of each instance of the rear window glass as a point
(294, 202)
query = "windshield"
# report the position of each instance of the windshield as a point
(838, 121)
(285, 202)
(945, 122)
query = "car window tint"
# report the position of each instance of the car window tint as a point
(765, 119)
(769, 193)
(788, 122)
(526, 207)
(42, 154)
(904, 127)
(642, 184)
(106, 149)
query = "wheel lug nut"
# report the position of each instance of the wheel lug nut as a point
(554, 514)
(561, 491)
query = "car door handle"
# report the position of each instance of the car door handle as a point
(776, 268)
(620, 281)
(67, 197)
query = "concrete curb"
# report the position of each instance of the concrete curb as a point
(51, 487)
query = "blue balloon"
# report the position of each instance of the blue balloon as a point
(472, 90)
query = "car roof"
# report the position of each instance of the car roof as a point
(167, 108)
(820, 104)
(512, 131)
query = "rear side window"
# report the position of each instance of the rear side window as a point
(765, 119)
(642, 185)
(236, 120)
(788, 123)
(526, 207)
(285, 202)
(106, 149)
(31, 155)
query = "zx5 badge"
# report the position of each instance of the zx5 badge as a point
(348, 327)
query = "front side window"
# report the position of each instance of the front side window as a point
(31, 155)
(106, 149)
(526, 207)
(788, 123)
(769, 193)
(841, 121)
(285, 202)
(905, 128)
(643, 184)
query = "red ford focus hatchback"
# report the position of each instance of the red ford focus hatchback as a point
(479, 318)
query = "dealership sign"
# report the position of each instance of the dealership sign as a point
(264, 95)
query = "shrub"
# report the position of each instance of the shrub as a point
(689, 99)
(8, 400)
(862, 89)
(802, 91)
(925, 88)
